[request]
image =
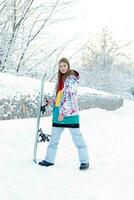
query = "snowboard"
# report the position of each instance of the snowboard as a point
(40, 136)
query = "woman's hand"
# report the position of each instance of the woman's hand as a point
(60, 118)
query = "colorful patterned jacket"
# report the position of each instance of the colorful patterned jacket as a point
(68, 103)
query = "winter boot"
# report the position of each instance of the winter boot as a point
(45, 163)
(84, 166)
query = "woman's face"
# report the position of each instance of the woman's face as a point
(63, 67)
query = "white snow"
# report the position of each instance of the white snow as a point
(109, 136)
(11, 85)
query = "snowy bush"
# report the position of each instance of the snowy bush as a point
(25, 106)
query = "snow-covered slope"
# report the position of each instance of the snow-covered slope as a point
(109, 136)
(11, 85)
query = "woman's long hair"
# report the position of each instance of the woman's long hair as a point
(68, 73)
(60, 75)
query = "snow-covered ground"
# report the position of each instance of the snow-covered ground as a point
(109, 136)
(11, 85)
(110, 139)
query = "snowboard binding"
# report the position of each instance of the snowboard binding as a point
(43, 137)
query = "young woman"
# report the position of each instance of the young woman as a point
(66, 115)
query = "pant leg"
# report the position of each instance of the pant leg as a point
(80, 144)
(53, 144)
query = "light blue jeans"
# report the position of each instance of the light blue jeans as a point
(77, 139)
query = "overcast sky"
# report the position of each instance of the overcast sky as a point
(92, 15)
(117, 14)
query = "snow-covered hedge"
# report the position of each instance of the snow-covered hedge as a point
(25, 106)
(22, 106)
(107, 102)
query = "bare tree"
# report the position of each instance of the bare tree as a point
(105, 51)
(106, 61)
(32, 37)
(22, 28)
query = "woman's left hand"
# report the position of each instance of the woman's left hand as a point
(60, 118)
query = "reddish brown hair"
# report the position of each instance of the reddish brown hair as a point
(65, 60)
(68, 73)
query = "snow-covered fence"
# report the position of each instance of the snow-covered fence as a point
(25, 106)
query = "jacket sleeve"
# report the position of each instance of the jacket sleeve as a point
(69, 94)
(52, 102)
